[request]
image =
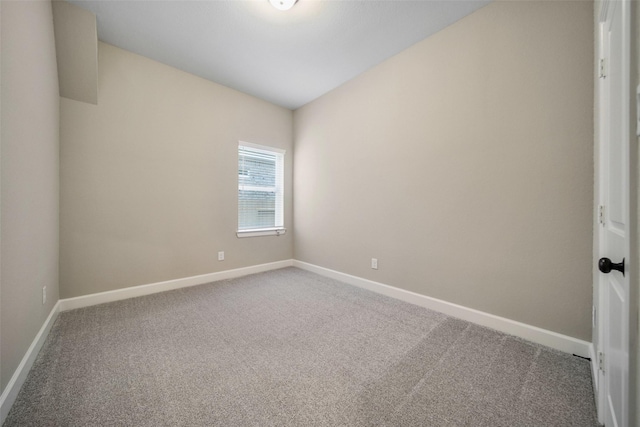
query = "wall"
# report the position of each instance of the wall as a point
(149, 177)
(76, 35)
(465, 165)
(29, 177)
(635, 284)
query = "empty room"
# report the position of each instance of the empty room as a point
(319, 213)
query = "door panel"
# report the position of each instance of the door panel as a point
(617, 353)
(616, 170)
(614, 195)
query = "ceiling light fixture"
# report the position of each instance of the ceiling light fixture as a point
(283, 4)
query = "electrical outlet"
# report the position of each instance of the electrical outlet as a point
(221, 256)
(44, 294)
(374, 263)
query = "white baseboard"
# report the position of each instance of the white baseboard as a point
(153, 288)
(531, 333)
(17, 380)
(20, 375)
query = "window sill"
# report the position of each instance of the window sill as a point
(261, 232)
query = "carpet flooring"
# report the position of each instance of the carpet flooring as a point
(291, 348)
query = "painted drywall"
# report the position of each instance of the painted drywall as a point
(77, 51)
(149, 177)
(635, 280)
(464, 165)
(29, 176)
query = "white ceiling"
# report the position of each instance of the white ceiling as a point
(288, 58)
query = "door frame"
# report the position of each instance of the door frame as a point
(630, 75)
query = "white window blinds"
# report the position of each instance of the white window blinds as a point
(260, 188)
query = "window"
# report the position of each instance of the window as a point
(260, 190)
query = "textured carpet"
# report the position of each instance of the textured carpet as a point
(289, 347)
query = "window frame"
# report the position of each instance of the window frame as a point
(278, 229)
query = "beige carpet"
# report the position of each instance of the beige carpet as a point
(291, 348)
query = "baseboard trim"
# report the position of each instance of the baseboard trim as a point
(20, 375)
(169, 285)
(538, 335)
(532, 333)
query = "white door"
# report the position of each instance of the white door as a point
(615, 204)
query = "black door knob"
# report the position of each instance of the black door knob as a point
(605, 265)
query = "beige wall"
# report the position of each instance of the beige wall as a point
(635, 285)
(149, 177)
(465, 165)
(76, 51)
(29, 177)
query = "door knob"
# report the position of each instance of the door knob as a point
(605, 265)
